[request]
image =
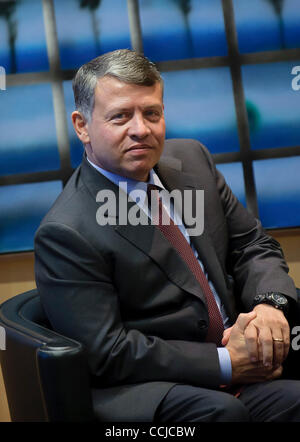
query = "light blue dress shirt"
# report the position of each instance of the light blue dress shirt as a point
(129, 185)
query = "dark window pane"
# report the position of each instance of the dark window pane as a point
(174, 29)
(278, 190)
(273, 106)
(199, 104)
(86, 32)
(22, 36)
(233, 174)
(28, 137)
(264, 25)
(22, 209)
(75, 144)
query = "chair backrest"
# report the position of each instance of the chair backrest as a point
(32, 310)
(45, 374)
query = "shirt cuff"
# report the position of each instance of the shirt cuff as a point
(225, 365)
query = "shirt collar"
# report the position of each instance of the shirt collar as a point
(129, 184)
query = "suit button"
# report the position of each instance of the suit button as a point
(202, 324)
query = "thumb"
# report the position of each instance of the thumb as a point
(244, 319)
(226, 336)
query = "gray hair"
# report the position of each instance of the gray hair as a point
(125, 65)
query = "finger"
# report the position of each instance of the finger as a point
(251, 339)
(278, 349)
(226, 336)
(225, 340)
(244, 319)
(275, 373)
(266, 342)
(281, 349)
(260, 351)
(286, 338)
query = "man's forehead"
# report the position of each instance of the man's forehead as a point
(112, 93)
(112, 84)
(109, 80)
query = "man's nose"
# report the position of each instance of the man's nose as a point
(138, 127)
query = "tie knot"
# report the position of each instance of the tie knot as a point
(154, 202)
(152, 189)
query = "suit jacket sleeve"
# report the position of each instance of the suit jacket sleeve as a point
(254, 258)
(81, 302)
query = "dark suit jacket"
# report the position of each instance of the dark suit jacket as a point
(126, 295)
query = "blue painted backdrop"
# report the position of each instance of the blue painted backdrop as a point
(199, 103)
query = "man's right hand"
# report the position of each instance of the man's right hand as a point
(243, 370)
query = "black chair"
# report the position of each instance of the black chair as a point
(45, 374)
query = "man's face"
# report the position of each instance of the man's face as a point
(127, 130)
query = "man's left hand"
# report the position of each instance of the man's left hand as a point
(267, 336)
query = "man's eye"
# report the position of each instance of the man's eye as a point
(119, 116)
(153, 115)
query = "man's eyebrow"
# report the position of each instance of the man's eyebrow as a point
(153, 106)
(117, 110)
(120, 109)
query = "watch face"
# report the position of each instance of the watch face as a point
(279, 299)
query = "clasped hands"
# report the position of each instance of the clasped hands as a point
(258, 343)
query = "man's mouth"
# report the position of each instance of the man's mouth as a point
(139, 147)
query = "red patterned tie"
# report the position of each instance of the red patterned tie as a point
(178, 241)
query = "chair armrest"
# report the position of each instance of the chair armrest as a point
(45, 374)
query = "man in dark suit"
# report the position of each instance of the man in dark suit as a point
(146, 309)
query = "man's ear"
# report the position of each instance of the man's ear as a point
(80, 126)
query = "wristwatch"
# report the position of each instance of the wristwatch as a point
(276, 299)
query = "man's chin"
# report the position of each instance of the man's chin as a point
(139, 170)
(138, 174)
